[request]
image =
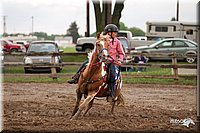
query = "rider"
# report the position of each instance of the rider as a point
(115, 51)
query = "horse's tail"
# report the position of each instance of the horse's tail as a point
(120, 99)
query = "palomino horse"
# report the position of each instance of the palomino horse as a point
(92, 80)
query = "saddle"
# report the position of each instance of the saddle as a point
(112, 82)
(110, 88)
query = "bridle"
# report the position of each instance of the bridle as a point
(96, 65)
(101, 58)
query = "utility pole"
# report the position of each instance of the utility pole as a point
(177, 11)
(87, 33)
(4, 25)
(32, 18)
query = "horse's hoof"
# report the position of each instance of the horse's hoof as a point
(73, 118)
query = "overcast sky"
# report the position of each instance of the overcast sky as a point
(55, 16)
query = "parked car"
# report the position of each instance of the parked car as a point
(125, 44)
(179, 46)
(38, 55)
(24, 43)
(87, 43)
(12, 47)
(2, 49)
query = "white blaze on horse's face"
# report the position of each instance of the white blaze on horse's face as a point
(104, 51)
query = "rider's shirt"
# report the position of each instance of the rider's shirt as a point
(116, 49)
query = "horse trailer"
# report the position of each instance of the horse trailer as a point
(171, 29)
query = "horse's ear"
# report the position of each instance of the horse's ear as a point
(98, 35)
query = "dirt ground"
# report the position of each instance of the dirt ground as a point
(47, 107)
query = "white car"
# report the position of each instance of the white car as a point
(2, 53)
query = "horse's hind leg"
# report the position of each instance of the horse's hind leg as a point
(88, 107)
(79, 96)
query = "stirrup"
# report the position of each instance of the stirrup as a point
(74, 79)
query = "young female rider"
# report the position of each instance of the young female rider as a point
(115, 51)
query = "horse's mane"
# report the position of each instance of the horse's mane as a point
(90, 55)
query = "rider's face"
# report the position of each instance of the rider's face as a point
(113, 34)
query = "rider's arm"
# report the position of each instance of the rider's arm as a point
(120, 51)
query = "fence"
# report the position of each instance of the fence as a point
(174, 65)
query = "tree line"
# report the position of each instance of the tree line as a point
(73, 31)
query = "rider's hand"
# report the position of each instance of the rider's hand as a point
(118, 63)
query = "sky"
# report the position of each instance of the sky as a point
(55, 16)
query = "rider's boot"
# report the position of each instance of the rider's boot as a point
(74, 79)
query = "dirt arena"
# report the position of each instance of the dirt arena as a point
(47, 107)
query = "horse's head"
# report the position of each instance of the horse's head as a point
(102, 47)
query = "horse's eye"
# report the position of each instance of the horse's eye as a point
(98, 44)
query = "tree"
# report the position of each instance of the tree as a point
(122, 26)
(105, 16)
(73, 31)
(40, 35)
(136, 31)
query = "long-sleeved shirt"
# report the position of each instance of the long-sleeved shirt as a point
(116, 50)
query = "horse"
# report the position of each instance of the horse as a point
(92, 81)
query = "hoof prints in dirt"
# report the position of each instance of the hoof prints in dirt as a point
(49, 106)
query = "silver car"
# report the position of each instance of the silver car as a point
(39, 56)
(186, 49)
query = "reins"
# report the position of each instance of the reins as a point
(87, 81)
(96, 65)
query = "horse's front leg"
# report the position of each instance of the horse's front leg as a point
(88, 107)
(83, 105)
(79, 96)
(113, 105)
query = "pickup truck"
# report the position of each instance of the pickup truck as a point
(12, 47)
(87, 43)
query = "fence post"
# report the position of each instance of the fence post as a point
(174, 63)
(53, 68)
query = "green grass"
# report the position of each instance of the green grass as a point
(31, 80)
(73, 69)
(151, 71)
(181, 81)
(78, 58)
(14, 70)
(69, 50)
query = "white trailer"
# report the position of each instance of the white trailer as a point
(171, 29)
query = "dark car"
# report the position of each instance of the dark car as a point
(183, 47)
(39, 55)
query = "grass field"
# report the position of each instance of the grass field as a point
(69, 50)
(73, 69)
